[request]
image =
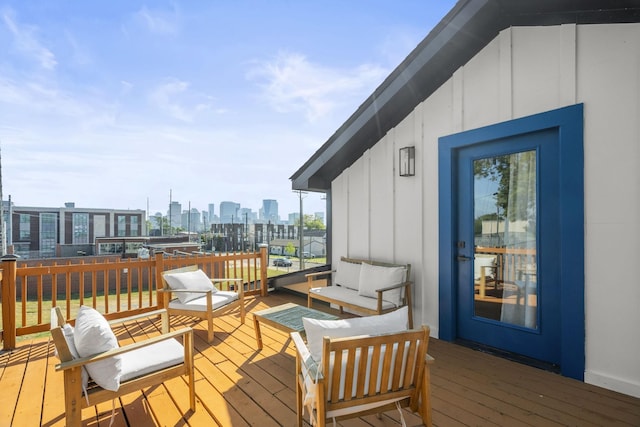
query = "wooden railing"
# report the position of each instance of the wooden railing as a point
(117, 287)
(511, 262)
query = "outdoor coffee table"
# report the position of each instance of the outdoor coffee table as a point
(286, 318)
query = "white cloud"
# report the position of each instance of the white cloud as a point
(291, 83)
(175, 98)
(159, 22)
(26, 41)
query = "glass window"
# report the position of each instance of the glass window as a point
(48, 234)
(506, 214)
(80, 228)
(134, 226)
(25, 227)
(122, 225)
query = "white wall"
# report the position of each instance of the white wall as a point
(523, 71)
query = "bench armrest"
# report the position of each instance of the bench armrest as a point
(124, 349)
(318, 274)
(389, 288)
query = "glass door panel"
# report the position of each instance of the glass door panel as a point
(505, 247)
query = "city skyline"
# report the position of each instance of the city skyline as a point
(117, 103)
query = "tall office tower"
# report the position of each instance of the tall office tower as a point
(229, 212)
(175, 215)
(212, 213)
(270, 210)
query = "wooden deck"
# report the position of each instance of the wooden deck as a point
(238, 386)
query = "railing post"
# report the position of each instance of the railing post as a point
(159, 258)
(8, 284)
(263, 270)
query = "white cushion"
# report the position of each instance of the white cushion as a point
(315, 329)
(190, 280)
(68, 332)
(483, 261)
(219, 299)
(350, 296)
(151, 358)
(374, 277)
(347, 274)
(92, 335)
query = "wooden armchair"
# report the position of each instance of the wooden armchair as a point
(358, 375)
(140, 365)
(184, 294)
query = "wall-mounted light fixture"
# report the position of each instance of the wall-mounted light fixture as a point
(407, 161)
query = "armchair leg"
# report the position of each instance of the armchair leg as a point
(73, 396)
(425, 404)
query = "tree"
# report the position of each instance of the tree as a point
(313, 223)
(290, 249)
(512, 173)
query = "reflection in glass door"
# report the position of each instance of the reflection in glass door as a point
(505, 218)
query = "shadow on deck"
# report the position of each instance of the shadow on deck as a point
(236, 385)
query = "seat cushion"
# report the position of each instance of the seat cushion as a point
(92, 335)
(151, 358)
(218, 300)
(315, 329)
(189, 280)
(351, 296)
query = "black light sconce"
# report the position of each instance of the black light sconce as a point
(407, 161)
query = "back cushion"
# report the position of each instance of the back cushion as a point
(374, 277)
(92, 335)
(315, 329)
(190, 280)
(348, 274)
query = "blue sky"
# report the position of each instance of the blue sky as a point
(115, 104)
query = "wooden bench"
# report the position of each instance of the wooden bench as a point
(346, 291)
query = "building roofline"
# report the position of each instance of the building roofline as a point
(461, 34)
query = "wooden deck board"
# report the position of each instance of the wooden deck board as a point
(237, 385)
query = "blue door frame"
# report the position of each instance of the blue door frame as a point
(569, 124)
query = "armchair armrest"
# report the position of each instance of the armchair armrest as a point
(304, 355)
(238, 280)
(127, 348)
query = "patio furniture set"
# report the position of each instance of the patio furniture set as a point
(344, 368)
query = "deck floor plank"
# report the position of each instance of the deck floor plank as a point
(237, 385)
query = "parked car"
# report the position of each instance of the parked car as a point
(282, 262)
(308, 255)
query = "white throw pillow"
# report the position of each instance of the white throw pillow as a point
(315, 329)
(374, 277)
(92, 335)
(192, 281)
(348, 274)
(68, 332)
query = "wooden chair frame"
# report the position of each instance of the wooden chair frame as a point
(210, 313)
(72, 368)
(411, 390)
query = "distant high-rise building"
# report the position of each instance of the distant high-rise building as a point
(229, 212)
(191, 221)
(175, 214)
(212, 212)
(270, 210)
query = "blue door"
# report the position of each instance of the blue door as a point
(507, 249)
(511, 237)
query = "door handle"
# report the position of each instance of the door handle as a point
(463, 258)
